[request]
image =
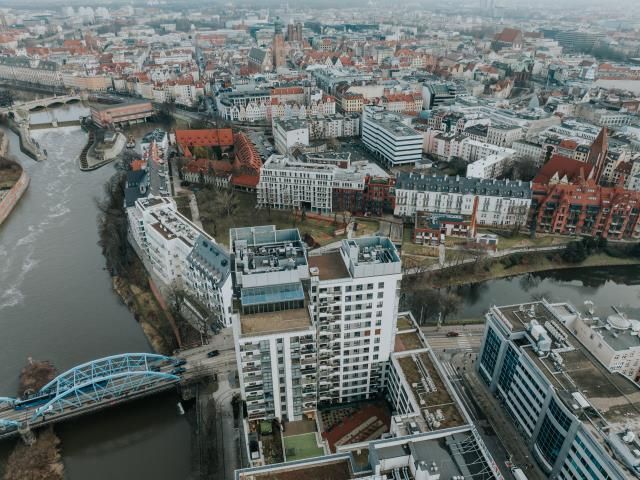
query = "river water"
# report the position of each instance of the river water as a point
(605, 287)
(56, 304)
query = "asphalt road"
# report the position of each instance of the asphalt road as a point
(469, 338)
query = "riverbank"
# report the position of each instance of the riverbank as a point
(147, 311)
(40, 461)
(534, 263)
(13, 181)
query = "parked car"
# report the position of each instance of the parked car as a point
(180, 362)
(178, 371)
(453, 334)
(213, 353)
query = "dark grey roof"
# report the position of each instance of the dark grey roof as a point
(132, 191)
(135, 177)
(210, 257)
(26, 63)
(465, 185)
(257, 54)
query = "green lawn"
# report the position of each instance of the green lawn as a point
(302, 446)
(522, 240)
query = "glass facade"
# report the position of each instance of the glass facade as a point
(582, 464)
(509, 366)
(549, 441)
(490, 353)
(563, 420)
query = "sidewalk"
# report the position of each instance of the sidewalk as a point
(502, 425)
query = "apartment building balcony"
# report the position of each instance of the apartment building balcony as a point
(255, 378)
(256, 415)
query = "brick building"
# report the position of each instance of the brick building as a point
(585, 208)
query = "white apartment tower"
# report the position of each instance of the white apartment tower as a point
(273, 331)
(311, 330)
(354, 296)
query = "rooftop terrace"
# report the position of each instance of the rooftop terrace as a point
(430, 390)
(274, 322)
(330, 266)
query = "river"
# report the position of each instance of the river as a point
(56, 304)
(604, 286)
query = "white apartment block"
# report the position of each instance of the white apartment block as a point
(491, 166)
(22, 69)
(525, 149)
(472, 150)
(491, 202)
(333, 126)
(273, 330)
(290, 133)
(389, 138)
(180, 254)
(289, 183)
(308, 183)
(311, 330)
(504, 135)
(354, 295)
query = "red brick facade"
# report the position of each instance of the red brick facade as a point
(584, 208)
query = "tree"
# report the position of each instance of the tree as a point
(525, 169)
(575, 252)
(228, 201)
(178, 163)
(128, 156)
(427, 304)
(457, 166)
(113, 225)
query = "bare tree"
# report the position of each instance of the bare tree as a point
(113, 225)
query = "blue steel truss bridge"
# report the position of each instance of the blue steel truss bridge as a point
(92, 386)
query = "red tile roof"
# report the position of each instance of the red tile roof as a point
(209, 137)
(563, 166)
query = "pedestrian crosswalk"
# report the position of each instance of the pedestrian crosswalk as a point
(463, 343)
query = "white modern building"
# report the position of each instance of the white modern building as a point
(489, 202)
(504, 135)
(274, 334)
(472, 150)
(181, 255)
(491, 166)
(290, 133)
(578, 419)
(355, 295)
(309, 330)
(431, 435)
(289, 183)
(390, 138)
(614, 341)
(310, 181)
